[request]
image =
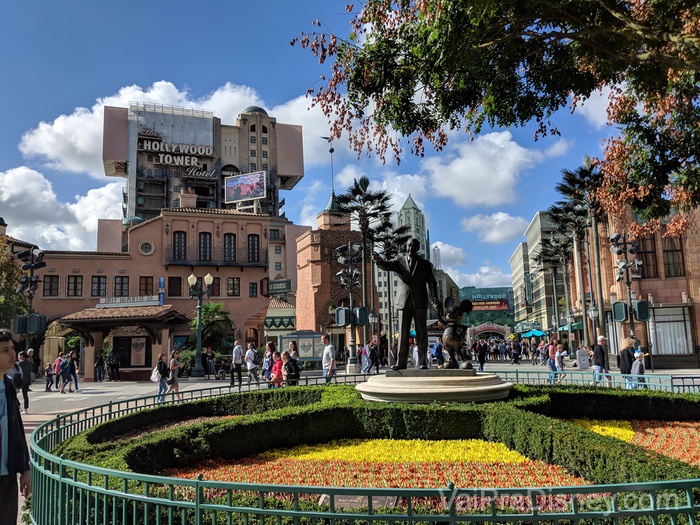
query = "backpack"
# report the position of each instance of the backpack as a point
(437, 349)
(257, 358)
(292, 369)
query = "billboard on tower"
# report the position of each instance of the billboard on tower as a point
(246, 187)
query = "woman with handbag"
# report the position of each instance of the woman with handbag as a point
(174, 368)
(163, 373)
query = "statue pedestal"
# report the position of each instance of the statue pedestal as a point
(427, 386)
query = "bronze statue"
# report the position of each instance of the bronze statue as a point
(455, 332)
(414, 273)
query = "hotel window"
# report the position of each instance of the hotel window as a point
(278, 266)
(216, 287)
(99, 286)
(233, 286)
(74, 287)
(253, 248)
(174, 287)
(264, 140)
(253, 290)
(274, 235)
(264, 154)
(145, 285)
(179, 246)
(673, 257)
(252, 139)
(278, 250)
(205, 247)
(647, 254)
(253, 153)
(121, 287)
(265, 167)
(264, 128)
(229, 247)
(253, 166)
(51, 285)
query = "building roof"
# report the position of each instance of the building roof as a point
(163, 313)
(410, 203)
(279, 303)
(211, 211)
(332, 205)
(254, 109)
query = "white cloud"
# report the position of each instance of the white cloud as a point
(346, 177)
(487, 276)
(496, 228)
(595, 108)
(484, 172)
(450, 256)
(308, 216)
(34, 214)
(560, 148)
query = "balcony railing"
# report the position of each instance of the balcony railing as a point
(219, 257)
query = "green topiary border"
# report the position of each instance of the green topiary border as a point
(528, 423)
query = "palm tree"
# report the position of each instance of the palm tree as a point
(369, 210)
(216, 327)
(579, 189)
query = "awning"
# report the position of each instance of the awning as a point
(533, 333)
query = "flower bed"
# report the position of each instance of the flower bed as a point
(389, 463)
(674, 439)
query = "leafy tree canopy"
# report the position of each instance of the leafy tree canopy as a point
(414, 68)
(10, 302)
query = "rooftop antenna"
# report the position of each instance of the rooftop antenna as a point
(331, 150)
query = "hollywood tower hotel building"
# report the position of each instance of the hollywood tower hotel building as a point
(180, 218)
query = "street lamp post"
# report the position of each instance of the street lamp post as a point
(593, 315)
(627, 270)
(373, 319)
(196, 291)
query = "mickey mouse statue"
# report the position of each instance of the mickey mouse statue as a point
(455, 332)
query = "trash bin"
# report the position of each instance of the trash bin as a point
(582, 360)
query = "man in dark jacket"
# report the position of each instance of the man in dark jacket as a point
(14, 455)
(599, 359)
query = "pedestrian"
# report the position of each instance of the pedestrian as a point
(174, 373)
(291, 370)
(626, 360)
(26, 365)
(48, 372)
(437, 352)
(14, 459)
(294, 352)
(268, 360)
(74, 367)
(99, 368)
(65, 374)
(276, 374)
(163, 373)
(211, 362)
(559, 356)
(638, 369)
(328, 360)
(552, 359)
(113, 365)
(599, 360)
(374, 355)
(237, 363)
(366, 362)
(482, 350)
(57, 368)
(250, 364)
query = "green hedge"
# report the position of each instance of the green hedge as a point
(529, 422)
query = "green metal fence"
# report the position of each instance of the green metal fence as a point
(68, 492)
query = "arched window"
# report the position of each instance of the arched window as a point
(179, 246)
(253, 248)
(205, 247)
(229, 247)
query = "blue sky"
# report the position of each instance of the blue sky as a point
(61, 62)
